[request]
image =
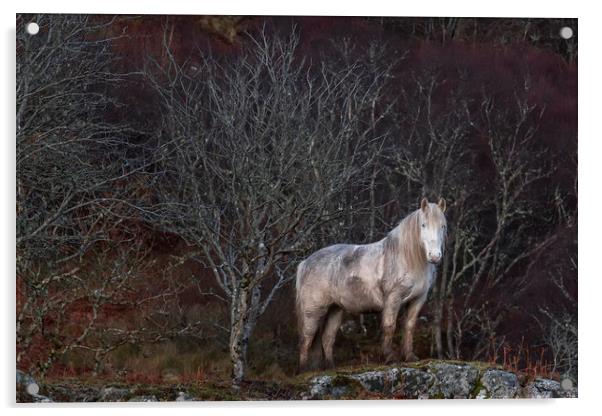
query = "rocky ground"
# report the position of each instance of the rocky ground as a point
(423, 380)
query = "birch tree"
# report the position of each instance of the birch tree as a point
(260, 152)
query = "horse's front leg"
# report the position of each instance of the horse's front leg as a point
(414, 308)
(388, 321)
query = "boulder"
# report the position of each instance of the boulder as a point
(433, 380)
(385, 382)
(333, 387)
(114, 394)
(453, 381)
(498, 384)
(544, 389)
(415, 383)
(28, 389)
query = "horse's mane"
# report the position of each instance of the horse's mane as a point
(413, 255)
(403, 245)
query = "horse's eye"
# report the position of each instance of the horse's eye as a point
(423, 225)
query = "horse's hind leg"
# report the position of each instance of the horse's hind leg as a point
(310, 323)
(333, 322)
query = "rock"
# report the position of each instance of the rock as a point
(541, 388)
(113, 394)
(62, 393)
(435, 380)
(422, 380)
(28, 389)
(184, 397)
(148, 398)
(379, 381)
(439, 380)
(334, 387)
(328, 386)
(38, 398)
(453, 381)
(498, 384)
(320, 386)
(24, 379)
(414, 383)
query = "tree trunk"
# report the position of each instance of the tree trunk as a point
(244, 314)
(437, 328)
(450, 330)
(240, 309)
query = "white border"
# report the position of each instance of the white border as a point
(590, 139)
(466, 8)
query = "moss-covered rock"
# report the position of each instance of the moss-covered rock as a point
(453, 381)
(414, 384)
(421, 380)
(498, 384)
(543, 389)
(339, 386)
(383, 381)
(430, 380)
(114, 394)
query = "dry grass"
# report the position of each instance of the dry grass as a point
(524, 359)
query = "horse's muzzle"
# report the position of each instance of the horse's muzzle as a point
(434, 258)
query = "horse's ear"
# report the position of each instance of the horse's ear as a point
(442, 204)
(424, 204)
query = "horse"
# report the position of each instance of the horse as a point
(378, 277)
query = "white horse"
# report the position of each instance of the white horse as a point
(377, 277)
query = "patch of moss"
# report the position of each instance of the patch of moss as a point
(216, 392)
(305, 377)
(438, 396)
(160, 392)
(344, 387)
(477, 388)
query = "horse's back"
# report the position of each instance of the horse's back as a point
(321, 266)
(326, 258)
(345, 274)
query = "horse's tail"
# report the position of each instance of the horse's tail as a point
(298, 300)
(315, 353)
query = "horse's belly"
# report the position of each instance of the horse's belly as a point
(359, 296)
(362, 306)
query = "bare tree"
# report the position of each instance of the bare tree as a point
(72, 179)
(261, 150)
(559, 320)
(502, 258)
(489, 247)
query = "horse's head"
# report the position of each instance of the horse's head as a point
(433, 229)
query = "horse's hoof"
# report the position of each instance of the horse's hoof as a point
(411, 357)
